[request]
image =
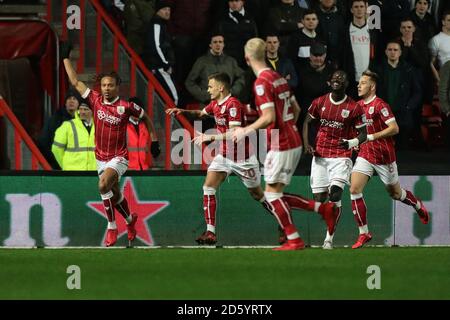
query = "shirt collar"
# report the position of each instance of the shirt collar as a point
(112, 102)
(221, 102)
(337, 102)
(371, 99)
(261, 71)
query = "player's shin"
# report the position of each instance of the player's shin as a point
(122, 207)
(359, 209)
(109, 209)
(209, 208)
(281, 211)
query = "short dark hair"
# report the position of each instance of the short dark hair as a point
(428, 2)
(353, 1)
(446, 13)
(221, 77)
(406, 19)
(111, 74)
(308, 12)
(394, 41)
(372, 75)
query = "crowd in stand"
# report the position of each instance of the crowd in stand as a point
(406, 41)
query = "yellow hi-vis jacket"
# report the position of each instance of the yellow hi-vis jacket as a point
(73, 146)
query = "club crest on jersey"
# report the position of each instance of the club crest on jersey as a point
(259, 90)
(345, 113)
(233, 112)
(385, 112)
(222, 111)
(371, 110)
(120, 109)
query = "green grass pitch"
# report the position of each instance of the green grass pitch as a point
(166, 274)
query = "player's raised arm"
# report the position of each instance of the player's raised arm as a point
(71, 73)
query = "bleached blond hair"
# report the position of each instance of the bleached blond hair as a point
(255, 49)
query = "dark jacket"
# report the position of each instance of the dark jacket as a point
(236, 34)
(425, 27)
(190, 17)
(158, 52)
(408, 99)
(137, 15)
(45, 140)
(197, 80)
(285, 67)
(332, 29)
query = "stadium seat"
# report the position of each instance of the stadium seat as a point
(431, 126)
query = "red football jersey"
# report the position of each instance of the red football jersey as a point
(111, 120)
(337, 120)
(228, 112)
(378, 114)
(272, 91)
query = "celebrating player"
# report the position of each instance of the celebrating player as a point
(278, 112)
(377, 154)
(111, 116)
(228, 114)
(338, 116)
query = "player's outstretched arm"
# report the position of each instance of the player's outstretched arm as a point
(195, 113)
(71, 73)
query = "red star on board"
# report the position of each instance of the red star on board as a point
(144, 209)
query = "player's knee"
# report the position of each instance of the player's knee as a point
(103, 186)
(209, 191)
(335, 194)
(355, 189)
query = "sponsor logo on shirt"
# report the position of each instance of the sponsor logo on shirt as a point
(331, 124)
(101, 115)
(220, 121)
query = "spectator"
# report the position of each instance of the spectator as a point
(332, 28)
(301, 41)
(189, 25)
(281, 64)
(285, 19)
(439, 45)
(415, 52)
(158, 53)
(140, 141)
(400, 88)
(360, 46)
(237, 26)
(392, 12)
(214, 61)
(423, 20)
(137, 15)
(444, 95)
(74, 143)
(45, 140)
(313, 80)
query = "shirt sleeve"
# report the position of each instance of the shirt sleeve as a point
(313, 110)
(263, 96)
(92, 96)
(360, 117)
(386, 113)
(235, 114)
(209, 108)
(136, 111)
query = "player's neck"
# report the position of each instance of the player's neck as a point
(258, 66)
(370, 98)
(222, 97)
(338, 95)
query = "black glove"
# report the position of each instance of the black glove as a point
(64, 50)
(155, 149)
